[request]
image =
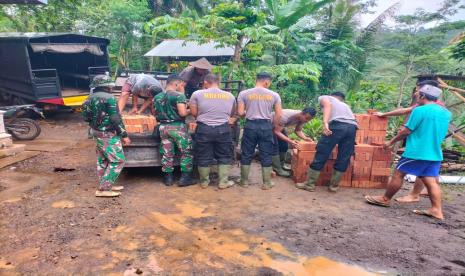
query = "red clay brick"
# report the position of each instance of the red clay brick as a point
(377, 137)
(378, 123)
(381, 164)
(307, 146)
(363, 121)
(361, 137)
(380, 171)
(381, 154)
(364, 152)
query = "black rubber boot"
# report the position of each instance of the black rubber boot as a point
(168, 179)
(186, 180)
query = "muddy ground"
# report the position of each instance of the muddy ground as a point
(51, 224)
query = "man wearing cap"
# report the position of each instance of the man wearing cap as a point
(170, 110)
(290, 118)
(108, 130)
(139, 85)
(425, 130)
(214, 110)
(257, 105)
(419, 188)
(194, 75)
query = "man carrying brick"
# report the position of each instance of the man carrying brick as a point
(425, 130)
(339, 128)
(257, 105)
(419, 188)
(139, 85)
(170, 110)
(289, 118)
(108, 130)
(214, 110)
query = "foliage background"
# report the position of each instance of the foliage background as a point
(312, 47)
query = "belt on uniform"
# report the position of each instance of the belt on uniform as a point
(222, 125)
(170, 122)
(259, 121)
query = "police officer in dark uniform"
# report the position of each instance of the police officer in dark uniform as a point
(257, 105)
(214, 110)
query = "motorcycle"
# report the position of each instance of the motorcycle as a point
(19, 123)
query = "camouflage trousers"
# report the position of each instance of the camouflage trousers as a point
(175, 140)
(110, 158)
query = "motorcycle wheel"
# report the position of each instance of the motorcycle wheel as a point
(23, 129)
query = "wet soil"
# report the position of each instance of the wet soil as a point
(51, 224)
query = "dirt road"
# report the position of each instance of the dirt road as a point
(51, 224)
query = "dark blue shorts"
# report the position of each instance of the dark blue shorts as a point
(419, 167)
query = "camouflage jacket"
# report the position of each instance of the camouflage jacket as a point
(166, 109)
(101, 112)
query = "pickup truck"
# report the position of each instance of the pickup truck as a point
(144, 150)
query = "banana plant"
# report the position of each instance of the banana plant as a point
(287, 13)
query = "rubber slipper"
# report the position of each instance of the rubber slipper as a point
(425, 213)
(373, 201)
(424, 195)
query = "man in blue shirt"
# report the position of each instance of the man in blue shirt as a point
(425, 130)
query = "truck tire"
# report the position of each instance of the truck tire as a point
(24, 129)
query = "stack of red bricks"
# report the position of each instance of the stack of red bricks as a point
(139, 123)
(370, 167)
(301, 159)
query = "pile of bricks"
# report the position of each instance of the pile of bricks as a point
(303, 157)
(370, 167)
(139, 123)
(371, 129)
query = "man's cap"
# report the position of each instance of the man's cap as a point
(431, 90)
(201, 64)
(102, 81)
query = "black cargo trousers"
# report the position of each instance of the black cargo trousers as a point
(343, 136)
(213, 143)
(257, 132)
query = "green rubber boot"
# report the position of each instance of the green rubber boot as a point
(204, 173)
(223, 173)
(286, 160)
(266, 175)
(278, 168)
(335, 180)
(245, 170)
(312, 177)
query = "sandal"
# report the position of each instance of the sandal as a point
(373, 201)
(425, 213)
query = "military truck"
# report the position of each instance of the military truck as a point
(50, 70)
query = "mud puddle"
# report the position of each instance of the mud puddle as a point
(193, 232)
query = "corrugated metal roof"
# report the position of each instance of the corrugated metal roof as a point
(27, 36)
(180, 48)
(23, 2)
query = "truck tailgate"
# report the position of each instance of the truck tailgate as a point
(143, 151)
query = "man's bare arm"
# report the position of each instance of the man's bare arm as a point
(298, 131)
(194, 110)
(403, 132)
(326, 104)
(396, 112)
(182, 109)
(241, 109)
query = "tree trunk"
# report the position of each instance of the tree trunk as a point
(236, 57)
(404, 80)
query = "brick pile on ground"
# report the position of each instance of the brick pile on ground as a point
(139, 123)
(370, 166)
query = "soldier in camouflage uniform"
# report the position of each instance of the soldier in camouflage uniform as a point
(101, 112)
(170, 111)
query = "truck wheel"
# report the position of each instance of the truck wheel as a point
(24, 129)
